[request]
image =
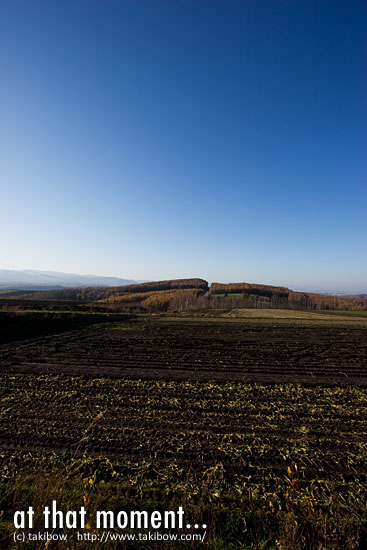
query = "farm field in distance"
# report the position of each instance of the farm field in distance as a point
(255, 421)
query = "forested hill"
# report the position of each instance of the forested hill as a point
(190, 294)
(98, 293)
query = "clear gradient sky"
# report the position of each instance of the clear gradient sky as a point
(162, 139)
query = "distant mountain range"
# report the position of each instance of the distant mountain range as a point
(30, 279)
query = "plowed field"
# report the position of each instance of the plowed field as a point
(224, 411)
(280, 350)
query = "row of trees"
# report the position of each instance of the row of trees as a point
(294, 300)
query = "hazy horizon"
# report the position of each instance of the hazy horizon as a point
(224, 140)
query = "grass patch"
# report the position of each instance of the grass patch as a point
(362, 313)
(264, 315)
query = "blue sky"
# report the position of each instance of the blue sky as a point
(162, 139)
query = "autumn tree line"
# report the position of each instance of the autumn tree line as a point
(267, 296)
(192, 294)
